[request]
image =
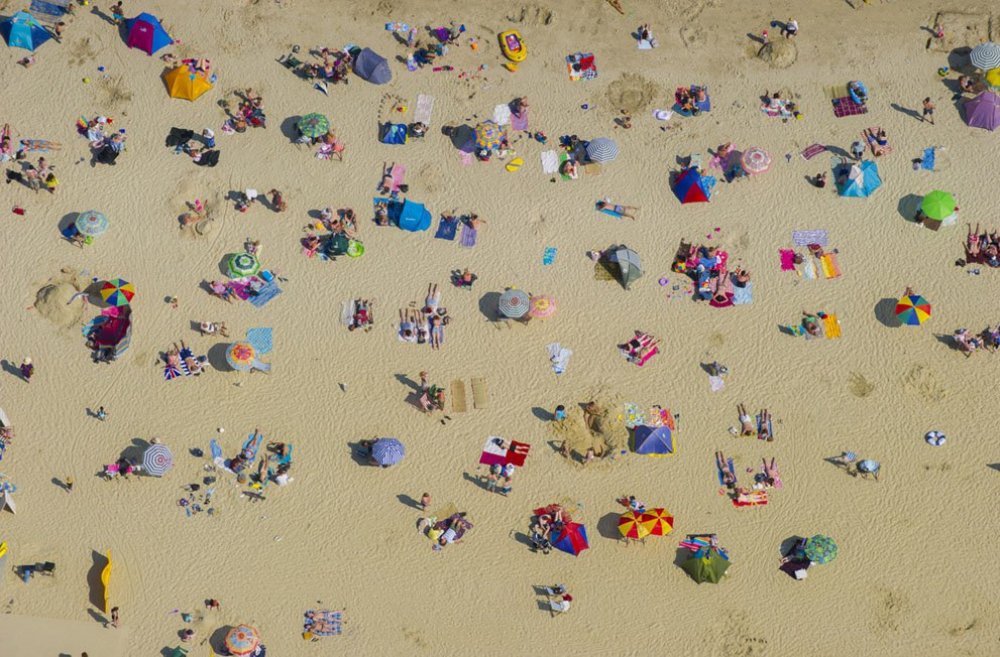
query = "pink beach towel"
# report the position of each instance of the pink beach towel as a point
(398, 174)
(787, 259)
(519, 121)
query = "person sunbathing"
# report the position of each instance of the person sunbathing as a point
(381, 214)
(437, 332)
(728, 475)
(764, 431)
(173, 357)
(972, 243)
(771, 474)
(967, 343)
(746, 422)
(385, 187)
(569, 169)
(719, 294)
(810, 323)
(407, 326)
(878, 141)
(644, 352)
(740, 277)
(621, 210)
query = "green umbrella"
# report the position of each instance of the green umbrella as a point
(314, 125)
(707, 568)
(242, 264)
(821, 549)
(938, 205)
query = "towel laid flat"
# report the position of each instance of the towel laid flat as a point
(501, 114)
(806, 237)
(424, 109)
(787, 259)
(550, 161)
(743, 295)
(519, 121)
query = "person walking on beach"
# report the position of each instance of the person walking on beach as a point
(27, 368)
(928, 115)
(115, 620)
(425, 501)
(101, 414)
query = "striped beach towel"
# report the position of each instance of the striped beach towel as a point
(828, 263)
(809, 152)
(807, 237)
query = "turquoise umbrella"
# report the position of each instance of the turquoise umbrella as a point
(821, 549)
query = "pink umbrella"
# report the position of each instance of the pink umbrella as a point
(755, 160)
(983, 111)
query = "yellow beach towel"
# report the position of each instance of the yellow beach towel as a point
(831, 327)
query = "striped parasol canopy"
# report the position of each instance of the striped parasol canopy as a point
(634, 525)
(117, 292)
(388, 451)
(661, 522)
(241, 356)
(602, 149)
(986, 56)
(91, 223)
(542, 307)
(242, 264)
(314, 125)
(514, 303)
(157, 460)
(242, 640)
(913, 310)
(755, 160)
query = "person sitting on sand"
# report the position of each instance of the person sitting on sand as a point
(278, 203)
(211, 328)
(747, 427)
(592, 414)
(967, 343)
(465, 279)
(820, 180)
(810, 323)
(569, 169)
(381, 214)
(221, 290)
(620, 210)
(418, 130)
(728, 475)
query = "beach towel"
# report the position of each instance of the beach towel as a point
(519, 121)
(634, 416)
(331, 620)
(261, 339)
(398, 174)
(715, 383)
(643, 44)
(468, 236)
(458, 404)
(770, 426)
(807, 237)
(743, 295)
(844, 106)
(501, 114)
(608, 211)
(171, 372)
(753, 498)
(559, 356)
(828, 263)
(581, 66)
(929, 159)
(787, 259)
(550, 162)
(831, 326)
(479, 398)
(347, 313)
(649, 354)
(466, 158)
(563, 157)
(265, 295)
(732, 468)
(423, 110)
(809, 152)
(809, 269)
(447, 229)
(549, 255)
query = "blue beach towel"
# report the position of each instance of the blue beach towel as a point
(261, 339)
(265, 295)
(446, 229)
(927, 161)
(718, 470)
(743, 295)
(549, 255)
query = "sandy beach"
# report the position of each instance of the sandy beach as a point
(914, 572)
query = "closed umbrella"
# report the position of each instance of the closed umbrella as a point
(706, 566)
(542, 307)
(986, 56)
(91, 223)
(157, 460)
(602, 149)
(240, 265)
(117, 292)
(634, 525)
(242, 640)
(938, 205)
(313, 125)
(821, 549)
(240, 356)
(913, 310)
(387, 451)
(755, 160)
(514, 303)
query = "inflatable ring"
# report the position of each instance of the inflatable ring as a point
(355, 249)
(935, 438)
(664, 281)
(515, 164)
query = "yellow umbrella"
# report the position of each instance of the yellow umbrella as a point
(635, 525)
(105, 580)
(184, 84)
(993, 79)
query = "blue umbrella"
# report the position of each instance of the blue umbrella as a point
(387, 451)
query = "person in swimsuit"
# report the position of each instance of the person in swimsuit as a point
(728, 476)
(621, 210)
(764, 432)
(407, 327)
(433, 299)
(746, 422)
(810, 323)
(740, 277)
(437, 332)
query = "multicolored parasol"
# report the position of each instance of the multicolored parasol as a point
(913, 310)
(242, 640)
(313, 125)
(542, 307)
(821, 549)
(241, 356)
(117, 292)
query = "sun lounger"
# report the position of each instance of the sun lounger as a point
(479, 397)
(458, 404)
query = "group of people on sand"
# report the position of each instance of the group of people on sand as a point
(105, 147)
(498, 478)
(444, 531)
(181, 358)
(767, 477)
(982, 247)
(759, 425)
(425, 325)
(969, 343)
(543, 525)
(249, 112)
(857, 466)
(35, 177)
(707, 266)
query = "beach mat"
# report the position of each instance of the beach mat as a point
(458, 404)
(519, 121)
(602, 272)
(807, 237)
(831, 327)
(787, 259)
(424, 109)
(809, 152)
(501, 114)
(266, 294)
(846, 107)
(828, 264)
(479, 397)
(743, 295)
(469, 235)
(592, 169)
(446, 229)
(550, 162)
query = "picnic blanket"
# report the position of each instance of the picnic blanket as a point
(423, 110)
(469, 235)
(550, 161)
(501, 114)
(844, 106)
(806, 237)
(447, 229)
(559, 356)
(581, 66)
(519, 121)
(809, 152)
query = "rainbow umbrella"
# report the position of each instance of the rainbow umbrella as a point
(489, 135)
(660, 521)
(542, 307)
(755, 160)
(635, 525)
(241, 356)
(117, 292)
(242, 640)
(913, 310)
(314, 125)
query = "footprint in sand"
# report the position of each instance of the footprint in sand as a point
(531, 15)
(890, 607)
(922, 382)
(859, 386)
(693, 37)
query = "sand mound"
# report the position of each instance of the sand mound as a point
(779, 54)
(609, 435)
(631, 92)
(53, 303)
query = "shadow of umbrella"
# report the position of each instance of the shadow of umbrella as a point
(290, 128)
(607, 526)
(217, 357)
(908, 206)
(489, 305)
(885, 313)
(95, 587)
(217, 641)
(463, 137)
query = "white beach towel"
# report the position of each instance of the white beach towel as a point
(424, 109)
(559, 356)
(550, 162)
(501, 114)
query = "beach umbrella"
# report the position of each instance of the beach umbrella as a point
(186, 84)
(117, 292)
(691, 187)
(821, 549)
(986, 56)
(488, 135)
(706, 566)
(983, 111)
(91, 223)
(653, 441)
(514, 303)
(242, 264)
(629, 265)
(242, 640)
(387, 451)
(602, 149)
(22, 30)
(542, 307)
(572, 538)
(755, 160)
(993, 79)
(861, 180)
(157, 460)
(938, 205)
(634, 525)
(313, 125)
(240, 356)
(913, 310)
(661, 522)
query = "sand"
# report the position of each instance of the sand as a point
(915, 573)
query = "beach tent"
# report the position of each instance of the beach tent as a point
(146, 34)
(706, 566)
(22, 30)
(653, 441)
(413, 216)
(858, 180)
(393, 133)
(372, 67)
(691, 187)
(182, 83)
(983, 111)
(572, 538)
(629, 266)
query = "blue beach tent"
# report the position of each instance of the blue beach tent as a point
(22, 30)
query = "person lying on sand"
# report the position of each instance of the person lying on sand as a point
(728, 476)
(765, 426)
(622, 210)
(746, 422)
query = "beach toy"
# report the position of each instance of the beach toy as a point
(355, 249)
(943, 71)
(664, 281)
(935, 438)
(513, 46)
(100, 68)
(514, 164)
(86, 80)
